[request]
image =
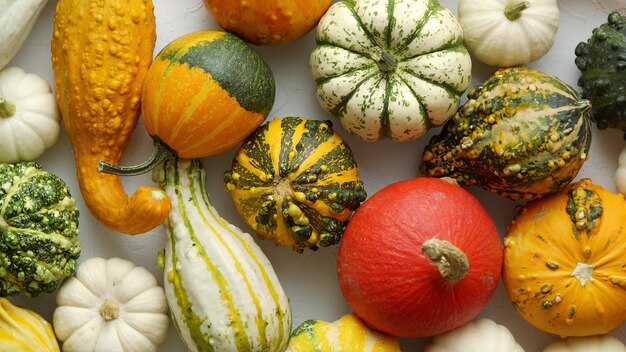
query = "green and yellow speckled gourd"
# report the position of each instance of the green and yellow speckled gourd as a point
(223, 293)
(602, 60)
(348, 334)
(39, 243)
(521, 134)
(296, 183)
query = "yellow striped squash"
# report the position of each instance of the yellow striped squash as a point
(348, 334)
(296, 183)
(22, 330)
(222, 290)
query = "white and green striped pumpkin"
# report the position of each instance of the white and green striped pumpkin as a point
(222, 290)
(390, 68)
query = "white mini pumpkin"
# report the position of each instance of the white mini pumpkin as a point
(508, 33)
(481, 335)
(390, 68)
(29, 116)
(111, 305)
(598, 343)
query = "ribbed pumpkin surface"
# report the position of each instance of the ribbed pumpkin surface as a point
(205, 92)
(22, 330)
(38, 230)
(222, 291)
(521, 134)
(296, 183)
(390, 68)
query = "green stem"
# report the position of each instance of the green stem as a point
(7, 109)
(451, 262)
(513, 10)
(387, 63)
(161, 151)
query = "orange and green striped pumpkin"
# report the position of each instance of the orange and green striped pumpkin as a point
(205, 92)
(296, 183)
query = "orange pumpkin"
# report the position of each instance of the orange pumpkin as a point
(268, 22)
(565, 260)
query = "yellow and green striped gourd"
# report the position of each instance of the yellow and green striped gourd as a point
(348, 334)
(22, 330)
(222, 290)
(296, 183)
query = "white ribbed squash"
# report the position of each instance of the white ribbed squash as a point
(22, 330)
(222, 290)
(29, 116)
(390, 68)
(482, 335)
(508, 33)
(598, 343)
(111, 305)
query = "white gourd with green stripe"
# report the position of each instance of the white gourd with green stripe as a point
(222, 290)
(390, 68)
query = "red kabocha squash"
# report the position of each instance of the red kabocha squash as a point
(419, 258)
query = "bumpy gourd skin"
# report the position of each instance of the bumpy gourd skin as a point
(602, 61)
(38, 230)
(101, 51)
(295, 182)
(521, 134)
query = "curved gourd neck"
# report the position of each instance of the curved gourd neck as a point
(7, 109)
(514, 10)
(161, 151)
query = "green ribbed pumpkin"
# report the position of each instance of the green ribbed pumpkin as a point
(222, 291)
(296, 183)
(38, 230)
(521, 134)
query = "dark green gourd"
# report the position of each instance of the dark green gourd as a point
(38, 230)
(521, 134)
(602, 61)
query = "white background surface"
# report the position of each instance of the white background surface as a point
(310, 278)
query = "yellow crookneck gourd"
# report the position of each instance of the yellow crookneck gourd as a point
(348, 334)
(101, 51)
(564, 261)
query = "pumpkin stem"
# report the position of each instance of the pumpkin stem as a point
(161, 151)
(513, 10)
(583, 105)
(387, 63)
(451, 262)
(109, 310)
(7, 109)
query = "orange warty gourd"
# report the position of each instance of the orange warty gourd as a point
(101, 51)
(564, 261)
(268, 22)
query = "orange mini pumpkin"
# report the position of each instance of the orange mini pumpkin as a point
(268, 22)
(565, 260)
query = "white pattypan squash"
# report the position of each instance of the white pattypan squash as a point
(17, 18)
(111, 306)
(508, 32)
(29, 116)
(390, 68)
(620, 174)
(22, 330)
(599, 343)
(482, 335)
